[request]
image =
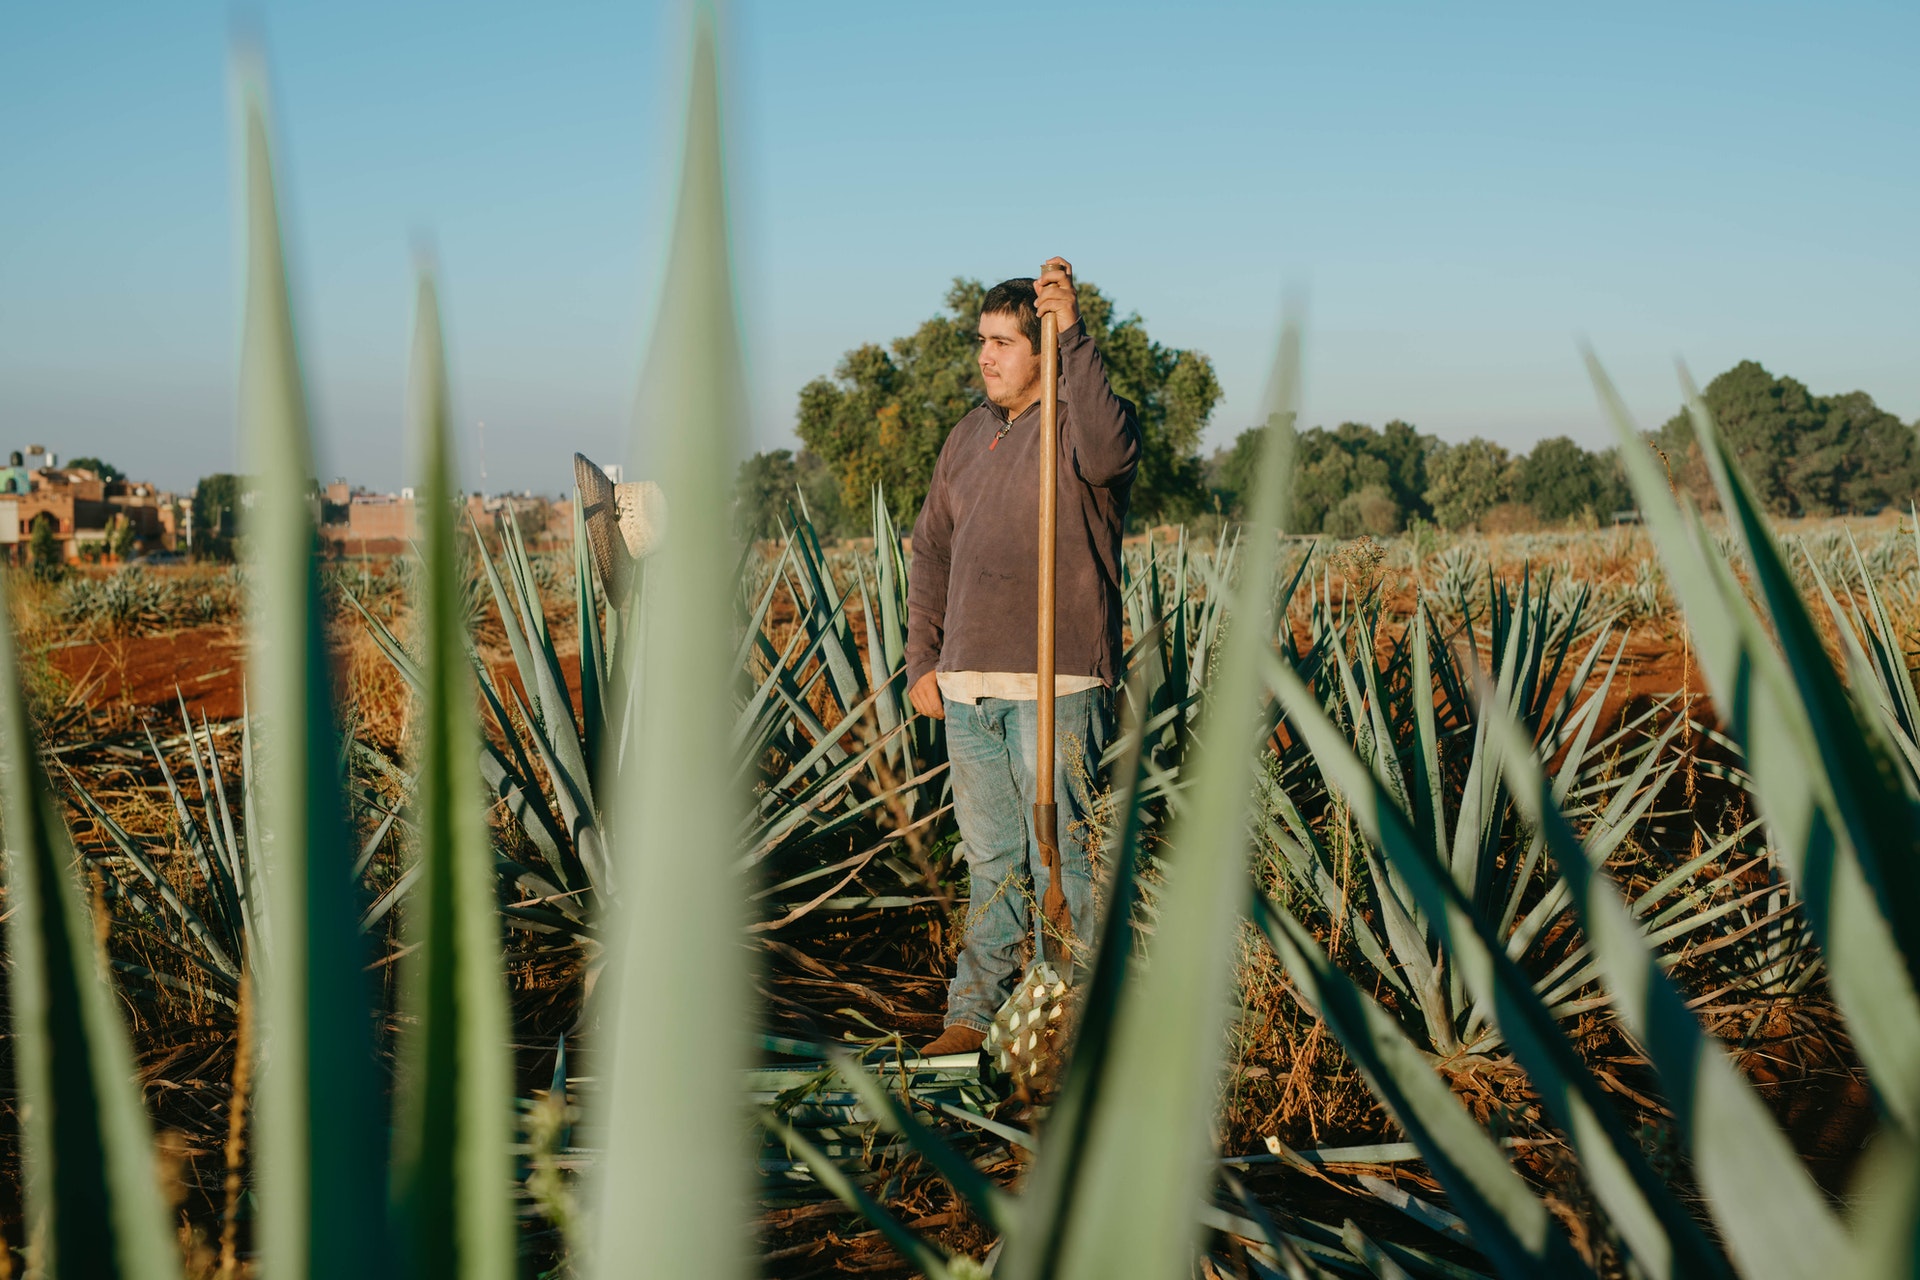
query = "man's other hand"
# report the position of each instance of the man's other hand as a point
(1054, 293)
(925, 696)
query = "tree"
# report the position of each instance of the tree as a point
(1330, 467)
(884, 414)
(1372, 509)
(770, 483)
(43, 544)
(1778, 436)
(216, 516)
(120, 536)
(105, 470)
(1172, 390)
(1804, 455)
(1883, 456)
(1465, 481)
(1231, 470)
(1559, 480)
(1405, 451)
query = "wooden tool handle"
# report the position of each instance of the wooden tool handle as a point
(1049, 519)
(1046, 820)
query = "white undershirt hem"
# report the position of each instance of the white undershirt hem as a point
(1014, 686)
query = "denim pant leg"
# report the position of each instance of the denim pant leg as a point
(1082, 727)
(990, 805)
(990, 745)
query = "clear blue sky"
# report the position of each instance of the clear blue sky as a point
(1460, 194)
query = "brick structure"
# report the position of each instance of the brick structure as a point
(381, 517)
(81, 505)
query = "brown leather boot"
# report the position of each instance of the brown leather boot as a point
(957, 1038)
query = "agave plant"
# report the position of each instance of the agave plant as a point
(1175, 599)
(1841, 820)
(702, 769)
(93, 1205)
(1404, 707)
(215, 930)
(1755, 1188)
(1876, 660)
(823, 788)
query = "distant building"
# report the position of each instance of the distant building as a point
(80, 504)
(355, 521)
(381, 517)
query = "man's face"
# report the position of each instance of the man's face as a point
(1009, 365)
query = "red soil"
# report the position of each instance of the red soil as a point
(204, 663)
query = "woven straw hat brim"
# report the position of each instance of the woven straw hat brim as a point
(604, 538)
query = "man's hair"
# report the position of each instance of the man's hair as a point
(1015, 298)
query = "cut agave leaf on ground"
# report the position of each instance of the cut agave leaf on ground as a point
(453, 1168)
(323, 1132)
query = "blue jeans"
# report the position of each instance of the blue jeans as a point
(990, 745)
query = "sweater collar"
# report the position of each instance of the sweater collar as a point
(1000, 415)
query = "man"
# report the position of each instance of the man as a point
(970, 627)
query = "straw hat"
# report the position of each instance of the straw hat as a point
(623, 522)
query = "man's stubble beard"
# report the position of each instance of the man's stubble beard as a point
(1019, 402)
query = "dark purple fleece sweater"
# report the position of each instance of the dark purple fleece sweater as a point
(974, 584)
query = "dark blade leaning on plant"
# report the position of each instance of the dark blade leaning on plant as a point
(323, 1139)
(453, 1119)
(1821, 792)
(93, 1203)
(597, 701)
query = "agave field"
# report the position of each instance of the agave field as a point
(1544, 905)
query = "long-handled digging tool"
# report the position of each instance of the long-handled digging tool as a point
(1030, 1029)
(1056, 918)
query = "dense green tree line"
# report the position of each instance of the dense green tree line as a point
(881, 418)
(1806, 455)
(1354, 480)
